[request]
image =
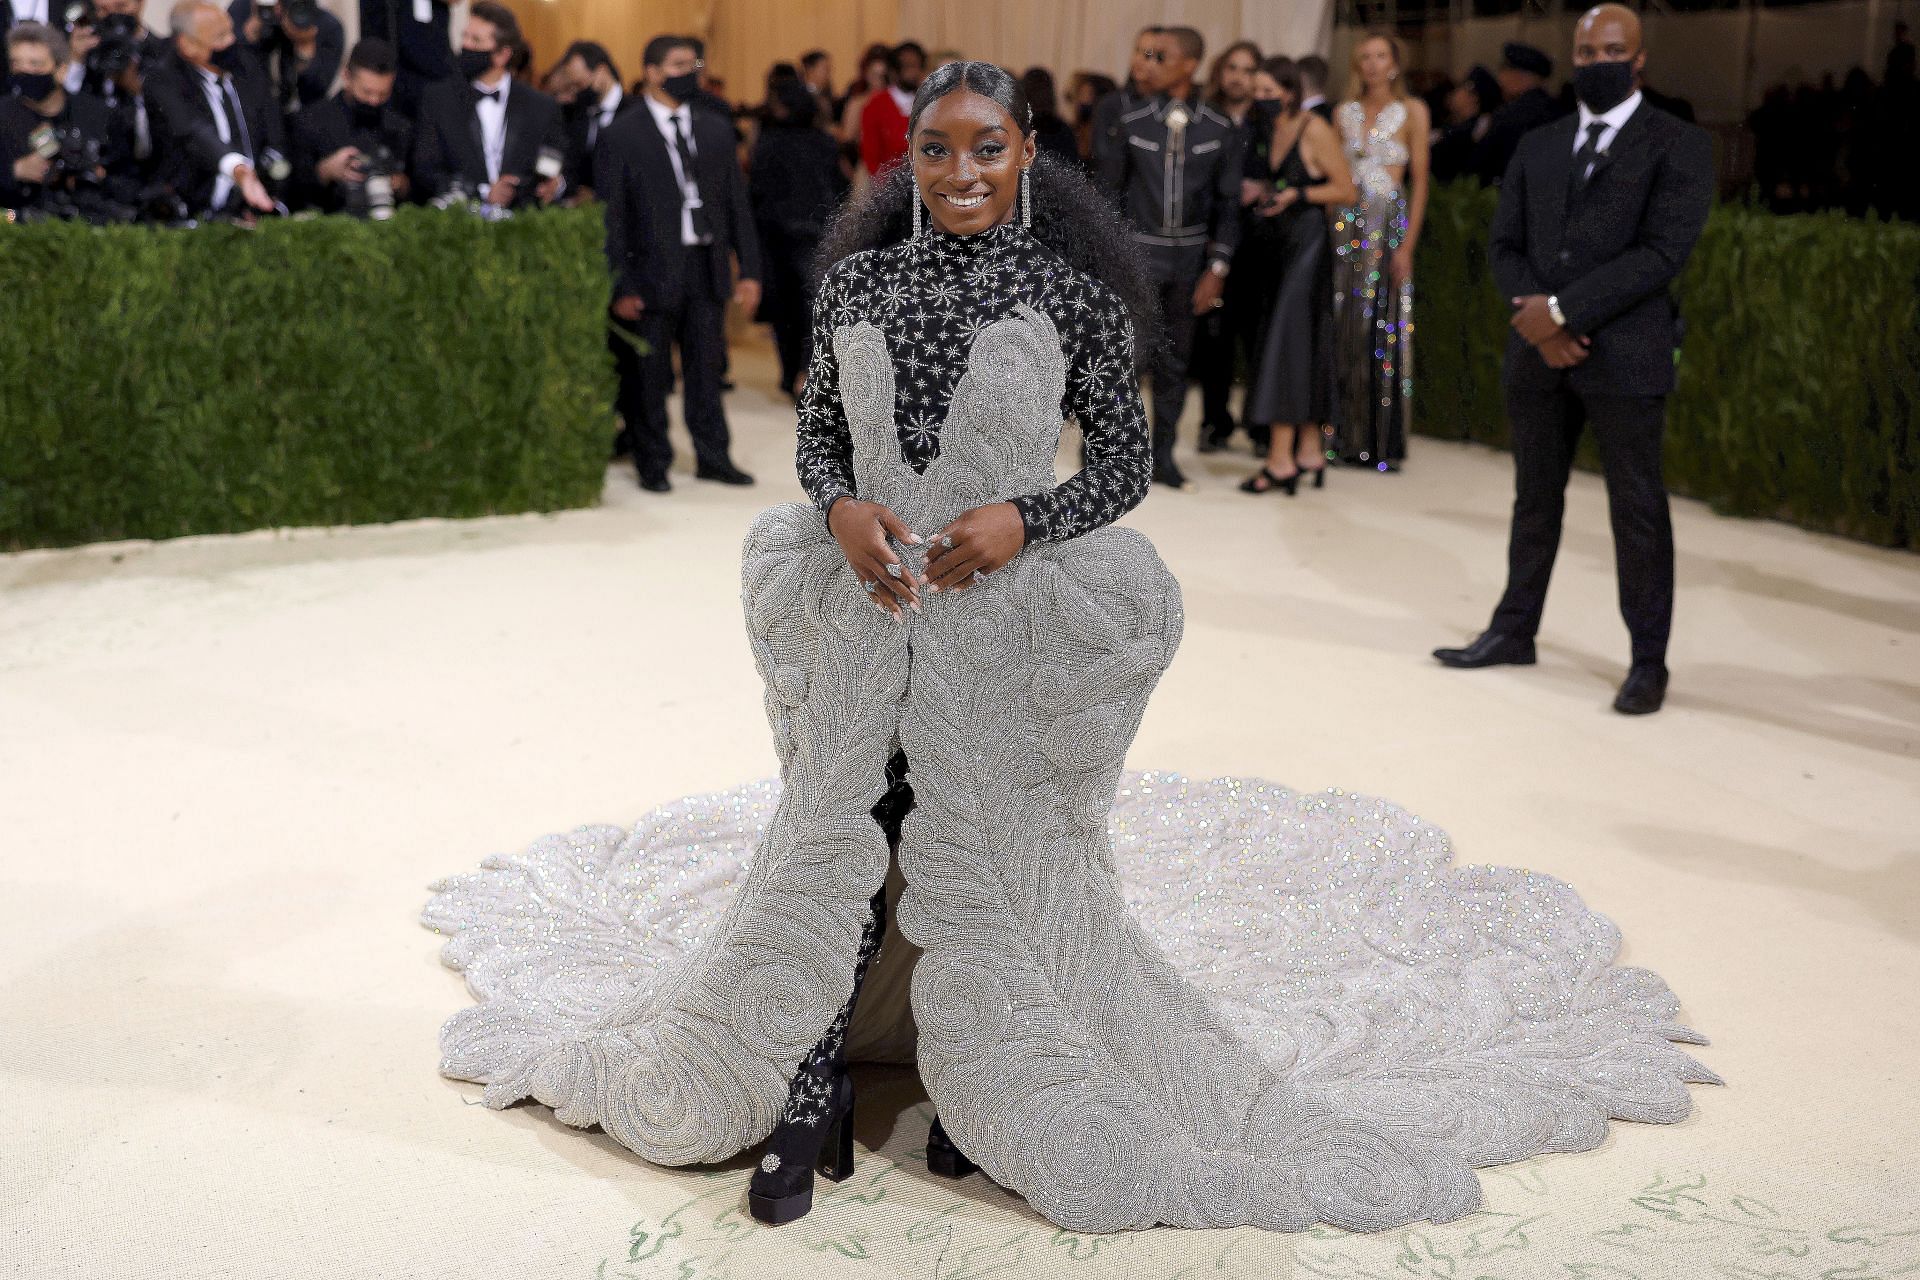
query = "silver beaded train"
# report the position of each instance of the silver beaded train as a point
(1209, 1005)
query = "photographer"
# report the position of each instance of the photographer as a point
(485, 133)
(107, 38)
(215, 124)
(298, 42)
(344, 147)
(57, 145)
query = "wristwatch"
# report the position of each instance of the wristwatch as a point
(1218, 266)
(1553, 309)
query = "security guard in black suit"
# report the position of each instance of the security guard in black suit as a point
(1598, 215)
(1523, 75)
(1174, 164)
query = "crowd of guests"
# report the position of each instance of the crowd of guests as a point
(1842, 145)
(1280, 212)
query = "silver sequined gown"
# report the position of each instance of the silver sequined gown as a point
(1133, 998)
(1372, 317)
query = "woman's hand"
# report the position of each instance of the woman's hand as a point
(1279, 202)
(977, 541)
(861, 529)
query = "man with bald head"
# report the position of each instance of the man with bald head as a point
(1598, 214)
(214, 120)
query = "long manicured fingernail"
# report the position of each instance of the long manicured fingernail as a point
(933, 588)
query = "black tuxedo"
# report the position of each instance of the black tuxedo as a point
(186, 138)
(19, 122)
(583, 136)
(684, 288)
(448, 144)
(1609, 252)
(1608, 248)
(323, 129)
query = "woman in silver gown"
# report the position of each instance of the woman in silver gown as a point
(1134, 999)
(1385, 132)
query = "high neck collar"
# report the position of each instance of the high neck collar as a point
(996, 236)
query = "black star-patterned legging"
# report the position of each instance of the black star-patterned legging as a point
(812, 1089)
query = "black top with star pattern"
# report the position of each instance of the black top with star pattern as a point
(932, 295)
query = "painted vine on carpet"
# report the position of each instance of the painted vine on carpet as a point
(155, 383)
(1799, 390)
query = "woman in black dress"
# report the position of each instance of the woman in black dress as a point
(794, 182)
(1295, 169)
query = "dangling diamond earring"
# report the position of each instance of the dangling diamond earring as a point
(918, 206)
(1026, 199)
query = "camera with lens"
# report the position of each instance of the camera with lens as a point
(69, 153)
(119, 48)
(372, 195)
(294, 13)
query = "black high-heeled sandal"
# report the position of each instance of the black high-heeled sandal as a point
(1283, 483)
(943, 1158)
(782, 1187)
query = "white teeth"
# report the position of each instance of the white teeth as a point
(968, 203)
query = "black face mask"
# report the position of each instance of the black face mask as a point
(682, 87)
(1602, 86)
(228, 59)
(367, 117)
(33, 87)
(1266, 111)
(474, 63)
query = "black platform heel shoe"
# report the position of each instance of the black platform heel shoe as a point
(1264, 481)
(943, 1158)
(782, 1187)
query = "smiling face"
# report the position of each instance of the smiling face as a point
(967, 157)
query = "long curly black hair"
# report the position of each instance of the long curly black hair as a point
(1070, 215)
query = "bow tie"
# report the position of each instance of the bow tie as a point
(491, 95)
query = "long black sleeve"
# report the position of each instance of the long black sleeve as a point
(1507, 240)
(1103, 396)
(823, 443)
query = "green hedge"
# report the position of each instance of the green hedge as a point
(1799, 391)
(156, 383)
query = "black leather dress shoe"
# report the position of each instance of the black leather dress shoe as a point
(1214, 437)
(1491, 649)
(656, 484)
(1644, 689)
(725, 473)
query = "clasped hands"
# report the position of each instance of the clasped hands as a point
(1557, 346)
(981, 540)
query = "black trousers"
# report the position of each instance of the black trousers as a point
(697, 326)
(1220, 338)
(787, 303)
(1546, 428)
(1175, 273)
